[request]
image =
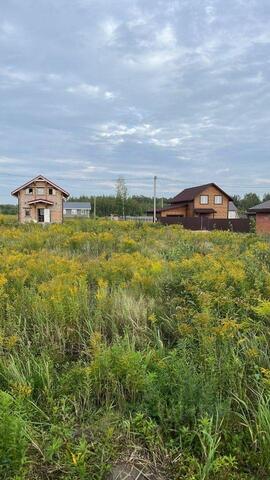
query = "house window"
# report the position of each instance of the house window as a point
(84, 212)
(51, 191)
(40, 190)
(73, 211)
(27, 212)
(65, 212)
(29, 191)
(204, 199)
(218, 199)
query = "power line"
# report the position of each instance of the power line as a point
(149, 177)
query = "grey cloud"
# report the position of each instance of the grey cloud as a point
(90, 89)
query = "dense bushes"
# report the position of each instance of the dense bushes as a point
(120, 337)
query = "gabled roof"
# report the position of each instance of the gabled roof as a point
(85, 205)
(36, 179)
(263, 207)
(189, 194)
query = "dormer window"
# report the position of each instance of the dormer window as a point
(29, 191)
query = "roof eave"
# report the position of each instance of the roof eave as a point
(258, 210)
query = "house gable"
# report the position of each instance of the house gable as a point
(212, 198)
(39, 178)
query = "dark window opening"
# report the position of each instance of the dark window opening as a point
(41, 215)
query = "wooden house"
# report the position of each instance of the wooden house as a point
(207, 200)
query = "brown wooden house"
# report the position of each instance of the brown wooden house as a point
(207, 200)
(40, 200)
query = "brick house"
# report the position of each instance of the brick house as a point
(262, 214)
(40, 200)
(207, 200)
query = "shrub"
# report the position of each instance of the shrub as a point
(13, 438)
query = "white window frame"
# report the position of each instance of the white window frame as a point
(74, 211)
(27, 191)
(216, 202)
(40, 188)
(204, 199)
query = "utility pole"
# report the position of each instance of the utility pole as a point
(162, 202)
(95, 206)
(155, 199)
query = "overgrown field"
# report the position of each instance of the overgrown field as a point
(124, 340)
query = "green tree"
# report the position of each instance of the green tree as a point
(135, 205)
(9, 209)
(249, 200)
(237, 200)
(266, 197)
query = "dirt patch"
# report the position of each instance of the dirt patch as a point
(135, 468)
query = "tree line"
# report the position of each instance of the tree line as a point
(137, 205)
(249, 200)
(106, 205)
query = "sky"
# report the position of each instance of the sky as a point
(91, 90)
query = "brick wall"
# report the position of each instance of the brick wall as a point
(263, 222)
(222, 210)
(56, 208)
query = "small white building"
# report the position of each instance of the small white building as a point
(77, 209)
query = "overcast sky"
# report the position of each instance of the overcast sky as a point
(94, 89)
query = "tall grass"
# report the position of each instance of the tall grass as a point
(122, 340)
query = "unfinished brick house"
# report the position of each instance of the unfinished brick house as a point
(207, 200)
(40, 200)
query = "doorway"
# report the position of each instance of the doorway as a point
(40, 212)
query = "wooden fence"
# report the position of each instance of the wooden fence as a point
(242, 225)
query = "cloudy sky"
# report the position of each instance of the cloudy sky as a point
(94, 89)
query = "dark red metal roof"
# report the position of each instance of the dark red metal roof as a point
(204, 210)
(263, 207)
(189, 194)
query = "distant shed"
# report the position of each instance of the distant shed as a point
(262, 214)
(77, 209)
